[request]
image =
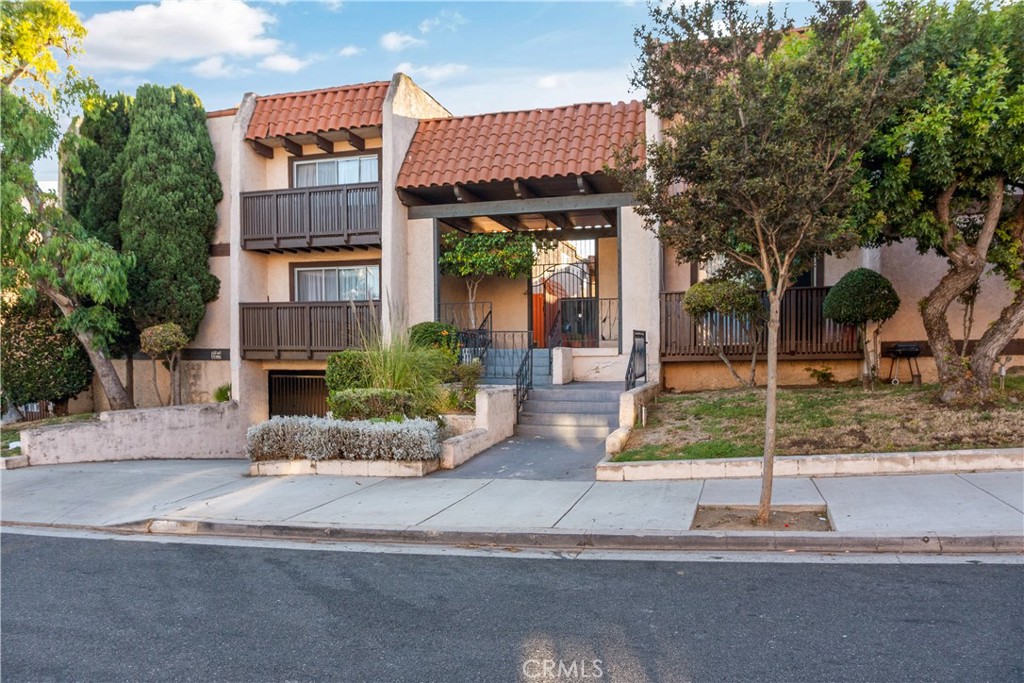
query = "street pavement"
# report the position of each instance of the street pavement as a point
(218, 492)
(118, 610)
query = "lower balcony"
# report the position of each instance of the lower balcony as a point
(302, 331)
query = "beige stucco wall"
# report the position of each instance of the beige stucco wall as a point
(215, 328)
(608, 268)
(421, 260)
(641, 279)
(152, 385)
(509, 304)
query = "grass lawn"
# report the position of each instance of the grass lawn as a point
(816, 420)
(11, 433)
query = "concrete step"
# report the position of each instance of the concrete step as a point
(562, 431)
(566, 419)
(576, 395)
(573, 408)
(538, 380)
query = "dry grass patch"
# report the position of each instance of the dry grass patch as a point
(12, 433)
(817, 420)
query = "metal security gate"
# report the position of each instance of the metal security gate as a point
(298, 392)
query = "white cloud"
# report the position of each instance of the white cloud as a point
(332, 5)
(431, 73)
(138, 39)
(448, 19)
(350, 51)
(213, 67)
(284, 63)
(394, 41)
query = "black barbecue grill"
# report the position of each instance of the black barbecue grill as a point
(910, 352)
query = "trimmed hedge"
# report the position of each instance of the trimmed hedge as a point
(860, 296)
(319, 438)
(346, 370)
(367, 404)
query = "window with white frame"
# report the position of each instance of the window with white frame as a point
(337, 171)
(337, 283)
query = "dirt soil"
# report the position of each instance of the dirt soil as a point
(742, 519)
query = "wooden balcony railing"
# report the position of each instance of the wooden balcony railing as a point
(305, 330)
(311, 217)
(804, 334)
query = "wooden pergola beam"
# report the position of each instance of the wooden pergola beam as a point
(523, 206)
(323, 143)
(292, 147)
(410, 198)
(464, 196)
(463, 225)
(263, 150)
(506, 221)
(354, 140)
(584, 185)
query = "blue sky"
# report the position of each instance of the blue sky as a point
(471, 56)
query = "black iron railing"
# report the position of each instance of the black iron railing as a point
(475, 343)
(465, 316)
(505, 353)
(524, 379)
(636, 370)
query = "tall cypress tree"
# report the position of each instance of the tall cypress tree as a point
(168, 214)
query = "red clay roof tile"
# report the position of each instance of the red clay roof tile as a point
(318, 111)
(538, 143)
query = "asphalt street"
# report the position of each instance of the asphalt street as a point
(109, 610)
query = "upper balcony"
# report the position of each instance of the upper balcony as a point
(333, 216)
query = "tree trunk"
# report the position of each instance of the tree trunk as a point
(471, 287)
(995, 339)
(865, 379)
(771, 408)
(117, 397)
(956, 385)
(129, 376)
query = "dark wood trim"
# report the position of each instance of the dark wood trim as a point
(333, 155)
(694, 273)
(463, 195)
(292, 147)
(294, 265)
(327, 146)
(263, 150)
(220, 249)
(523, 206)
(584, 185)
(354, 140)
(206, 354)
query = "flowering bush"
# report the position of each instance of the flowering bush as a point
(319, 438)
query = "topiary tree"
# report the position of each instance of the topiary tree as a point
(168, 213)
(476, 256)
(718, 304)
(165, 342)
(862, 296)
(42, 359)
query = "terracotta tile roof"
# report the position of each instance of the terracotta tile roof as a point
(217, 113)
(572, 140)
(316, 111)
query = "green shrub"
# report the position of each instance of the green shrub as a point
(42, 360)
(725, 297)
(822, 376)
(346, 370)
(368, 404)
(222, 393)
(435, 335)
(403, 366)
(319, 438)
(466, 380)
(861, 296)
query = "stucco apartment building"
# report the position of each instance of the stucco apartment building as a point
(335, 205)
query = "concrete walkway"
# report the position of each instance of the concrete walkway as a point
(976, 511)
(533, 457)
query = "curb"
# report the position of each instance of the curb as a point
(830, 465)
(822, 541)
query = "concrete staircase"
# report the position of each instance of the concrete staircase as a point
(582, 410)
(501, 364)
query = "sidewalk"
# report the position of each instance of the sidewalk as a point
(971, 512)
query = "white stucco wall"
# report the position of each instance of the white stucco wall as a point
(640, 254)
(421, 261)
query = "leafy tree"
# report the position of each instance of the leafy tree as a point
(168, 214)
(719, 303)
(165, 342)
(43, 249)
(761, 147)
(862, 296)
(42, 359)
(486, 254)
(92, 166)
(947, 170)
